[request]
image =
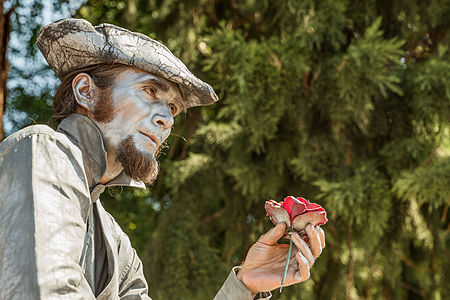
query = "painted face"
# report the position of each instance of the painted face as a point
(144, 106)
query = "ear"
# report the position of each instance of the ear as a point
(84, 90)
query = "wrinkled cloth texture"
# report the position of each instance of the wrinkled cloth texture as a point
(233, 288)
(56, 239)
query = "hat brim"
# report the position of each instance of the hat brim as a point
(72, 44)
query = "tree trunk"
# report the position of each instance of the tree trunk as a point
(5, 29)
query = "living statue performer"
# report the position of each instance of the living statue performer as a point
(116, 104)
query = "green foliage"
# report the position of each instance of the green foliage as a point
(368, 62)
(362, 201)
(346, 103)
(181, 257)
(428, 184)
(135, 209)
(30, 81)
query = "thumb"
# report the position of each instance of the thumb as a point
(272, 236)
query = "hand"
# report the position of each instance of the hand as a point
(264, 265)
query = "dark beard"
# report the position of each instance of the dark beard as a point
(137, 165)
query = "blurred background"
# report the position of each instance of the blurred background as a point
(345, 103)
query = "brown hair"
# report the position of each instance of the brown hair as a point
(103, 76)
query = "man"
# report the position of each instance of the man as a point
(118, 96)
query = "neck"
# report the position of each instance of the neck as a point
(113, 169)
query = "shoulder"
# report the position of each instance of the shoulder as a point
(46, 165)
(35, 137)
(27, 132)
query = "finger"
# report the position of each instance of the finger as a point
(303, 268)
(314, 240)
(303, 247)
(272, 236)
(322, 236)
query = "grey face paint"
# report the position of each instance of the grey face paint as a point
(144, 106)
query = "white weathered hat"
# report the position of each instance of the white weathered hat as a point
(72, 44)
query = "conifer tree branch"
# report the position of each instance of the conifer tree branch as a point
(413, 289)
(215, 215)
(428, 159)
(413, 265)
(444, 213)
(350, 283)
(445, 232)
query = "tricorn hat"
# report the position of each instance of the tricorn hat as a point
(72, 44)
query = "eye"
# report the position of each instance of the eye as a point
(151, 91)
(173, 109)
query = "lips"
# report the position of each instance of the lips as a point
(152, 137)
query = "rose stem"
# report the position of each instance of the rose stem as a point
(287, 265)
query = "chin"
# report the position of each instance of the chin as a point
(137, 164)
(145, 145)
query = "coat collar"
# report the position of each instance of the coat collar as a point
(87, 137)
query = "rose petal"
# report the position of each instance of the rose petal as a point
(314, 207)
(309, 205)
(301, 199)
(294, 206)
(277, 213)
(315, 218)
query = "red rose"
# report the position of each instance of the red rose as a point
(296, 212)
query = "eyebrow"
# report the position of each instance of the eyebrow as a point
(155, 81)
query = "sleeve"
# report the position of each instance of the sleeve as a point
(43, 200)
(234, 289)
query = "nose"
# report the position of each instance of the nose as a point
(163, 117)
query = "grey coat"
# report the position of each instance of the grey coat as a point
(56, 239)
